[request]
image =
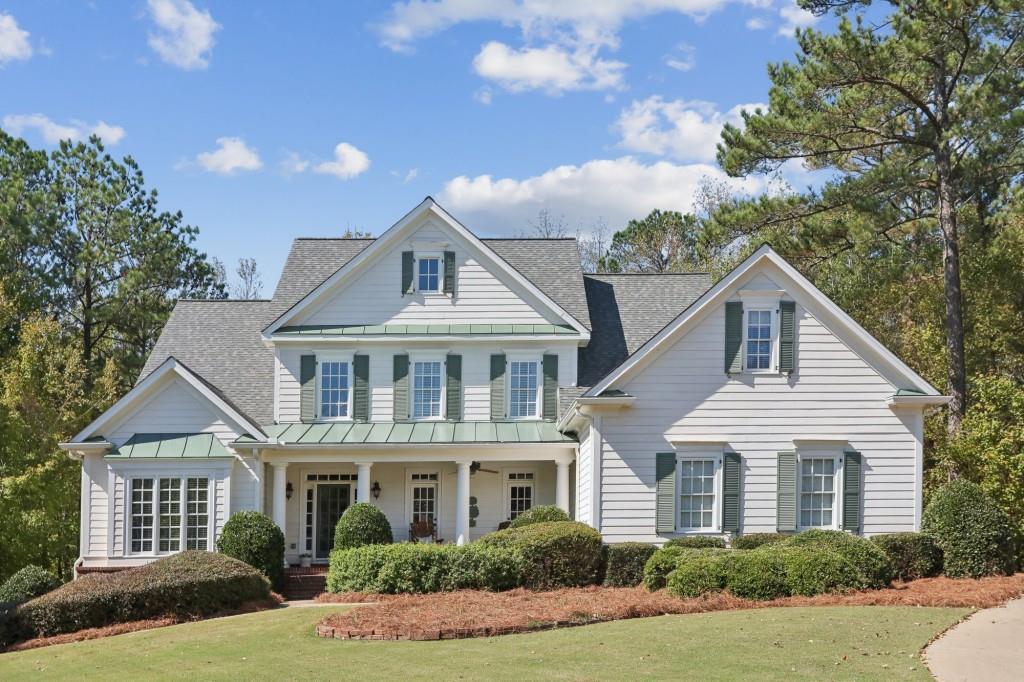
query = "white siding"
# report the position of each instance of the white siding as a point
(685, 395)
(584, 471)
(245, 484)
(96, 481)
(176, 408)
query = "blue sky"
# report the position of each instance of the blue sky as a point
(262, 122)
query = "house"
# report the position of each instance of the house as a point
(455, 382)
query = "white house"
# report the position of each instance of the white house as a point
(455, 381)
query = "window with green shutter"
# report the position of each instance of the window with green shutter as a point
(550, 407)
(453, 387)
(665, 492)
(400, 399)
(787, 336)
(785, 505)
(733, 337)
(853, 474)
(408, 258)
(732, 468)
(307, 388)
(361, 388)
(497, 387)
(449, 273)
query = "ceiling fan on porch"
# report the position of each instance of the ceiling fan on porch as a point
(475, 467)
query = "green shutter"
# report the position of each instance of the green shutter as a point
(550, 410)
(497, 387)
(361, 388)
(453, 389)
(787, 333)
(733, 337)
(665, 475)
(785, 505)
(853, 468)
(307, 392)
(400, 399)
(731, 472)
(407, 265)
(449, 272)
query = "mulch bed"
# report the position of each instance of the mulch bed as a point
(457, 615)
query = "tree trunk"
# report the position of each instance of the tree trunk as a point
(956, 371)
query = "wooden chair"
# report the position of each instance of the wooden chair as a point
(419, 530)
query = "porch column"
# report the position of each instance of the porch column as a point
(562, 485)
(363, 481)
(280, 486)
(462, 503)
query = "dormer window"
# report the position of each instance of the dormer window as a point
(428, 274)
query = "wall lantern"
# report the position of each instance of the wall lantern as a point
(288, 490)
(375, 490)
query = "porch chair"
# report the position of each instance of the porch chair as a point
(422, 531)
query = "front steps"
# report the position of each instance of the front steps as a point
(304, 583)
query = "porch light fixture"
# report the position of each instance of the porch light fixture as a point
(375, 490)
(288, 490)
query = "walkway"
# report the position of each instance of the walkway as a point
(987, 646)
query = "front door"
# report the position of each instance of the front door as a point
(332, 499)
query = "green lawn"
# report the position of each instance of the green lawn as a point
(792, 643)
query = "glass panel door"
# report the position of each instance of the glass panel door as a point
(332, 499)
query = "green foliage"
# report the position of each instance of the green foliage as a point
(625, 563)
(252, 537)
(755, 540)
(555, 554)
(974, 534)
(871, 563)
(700, 573)
(811, 570)
(28, 583)
(544, 513)
(423, 568)
(912, 555)
(697, 542)
(661, 563)
(362, 524)
(759, 574)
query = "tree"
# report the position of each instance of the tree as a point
(919, 118)
(250, 282)
(547, 226)
(664, 241)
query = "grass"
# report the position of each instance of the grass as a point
(815, 643)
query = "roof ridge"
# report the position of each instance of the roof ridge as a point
(335, 239)
(528, 239)
(633, 274)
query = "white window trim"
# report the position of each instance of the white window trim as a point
(428, 255)
(524, 357)
(837, 489)
(774, 360)
(155, 476)
(413, 359)
(334, 357)
(716, 509)
(506, 494)
(304, 485)
(410, 484)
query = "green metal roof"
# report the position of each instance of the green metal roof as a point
(391, 433)
(425, 330)
(170, 446)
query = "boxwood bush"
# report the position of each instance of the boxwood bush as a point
(912, 555)
(542, 514)
(28, 583)
(813, 570)
(871, 562)
(362, 524)
(625, 563)
(555, 554)
(189, 584)
(666, 559)
(700, 572)
(252, 537)
(697, 542)
(755, 540)
(975, 536)
(758, 574)
(421, 568)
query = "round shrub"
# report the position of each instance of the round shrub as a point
(870, 561)
(555, 554)
(665, 560)
(252, 537)
(912, 555)
(699, 574)
(974, 534)
(28, 583)
(697, 542)
(545, 513)
(756, 575)
(755, 540)
(362, 524)
(625, 563)
(812, 570)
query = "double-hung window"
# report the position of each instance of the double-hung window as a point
(428, 274)
(699, 488)
(759, 332)
(524, 385)
(167, 509)
(334, 394)
(818, 477)
(427, 388)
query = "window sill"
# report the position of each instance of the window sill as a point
(687, 532)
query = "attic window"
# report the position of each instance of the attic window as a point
(428, 274)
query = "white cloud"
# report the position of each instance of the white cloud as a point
(349, 162)
(52, 132)
(411, 175)
(680, 129)
(682, 58)
(794, 17)
(14, 45)
(293, 164)
(756, 24)
(231, 155)
(615, 190)
(184, 35)
(484, 95)
(552, 68)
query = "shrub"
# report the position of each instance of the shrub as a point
(697, 542)
(555, 554)
(755, 540)
(362, 524)
(912, 555)
(252, 537)
(545, 513)
(422, 568)
(188, 584)
(974, 534)
(757, 575)
(28, 583)
(625, 563)
(815, 570)
(700, 573)
(666, 559)
(870, 561)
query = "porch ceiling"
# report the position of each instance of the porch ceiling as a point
(359, 433)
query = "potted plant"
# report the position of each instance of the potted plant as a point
(305, 560)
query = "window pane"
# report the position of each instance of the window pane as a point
(170, 514)
(334, 389)
(759, 334)
(424, 503)
(142, 514)
(426, 393)
(429, 274)
(522, 389)
(817, 499)
(520, 498)
(696, 493)
(197, 525)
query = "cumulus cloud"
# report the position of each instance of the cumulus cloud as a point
(552, 68)
(183, 35)
(52, 132)
(682, 58)
(484, 95)
(756, 24)
(232, 155)
(349, 161)
(794, 17)
(14, 45)
(686, 130)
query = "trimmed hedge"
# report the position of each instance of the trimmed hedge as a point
(625, 563)
(544, 513)
(28, 583)
(913, 555)
(755, 540)
(422, 568)
(868, 559)
(758, 574)
(666, 559)
(252, 537)
(974, 534)
(189, 584)
(362, 524)
(700, 573)
(812, 570)
(697, 542)
(555, 554)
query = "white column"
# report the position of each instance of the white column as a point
(280, 486)
(462, 504)
(363, 481)
(562, 485)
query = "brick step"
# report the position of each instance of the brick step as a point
(304, 586)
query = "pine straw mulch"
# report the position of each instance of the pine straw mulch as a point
(456, 615)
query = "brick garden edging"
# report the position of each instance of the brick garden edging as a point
(333, 632)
